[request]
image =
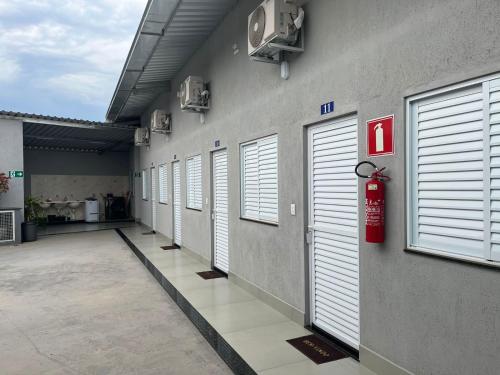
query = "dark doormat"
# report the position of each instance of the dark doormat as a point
(316, 349)
(170, 247)
(152, 232)
(207, 275)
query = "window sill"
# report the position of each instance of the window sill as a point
(194, 209)
(273, 224)
(454, 257)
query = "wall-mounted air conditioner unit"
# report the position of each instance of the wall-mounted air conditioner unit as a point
(193, 95)
(161, 122)
(273, 28)
(142, 137)
(7, 227)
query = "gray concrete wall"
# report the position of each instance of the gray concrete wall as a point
(428, 315)
(41, 162)
(133, 163)
(11, 158)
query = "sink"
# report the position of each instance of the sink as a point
(60, 205)
(44, 205)
(74, 205)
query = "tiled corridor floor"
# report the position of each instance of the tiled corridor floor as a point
(83, 304)
(254, 330)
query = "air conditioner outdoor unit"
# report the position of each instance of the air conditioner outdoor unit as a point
(7, 227)
(193, 95)
(161, 122)
(142, 137)
(273, 27)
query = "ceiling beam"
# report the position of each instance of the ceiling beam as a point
(67, 139)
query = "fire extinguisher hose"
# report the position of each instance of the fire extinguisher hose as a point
(377, 174)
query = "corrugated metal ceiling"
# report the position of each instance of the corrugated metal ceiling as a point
(71, 138)
(169, 33)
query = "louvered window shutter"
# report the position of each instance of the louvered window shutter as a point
(193, 176)
(162, 173)
(493, 89)
(260, 179)
(197, 183)
(448, 173)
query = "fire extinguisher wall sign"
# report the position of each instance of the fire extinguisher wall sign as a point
(374, 203)
(380, 136)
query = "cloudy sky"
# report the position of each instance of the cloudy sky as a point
(64, 57)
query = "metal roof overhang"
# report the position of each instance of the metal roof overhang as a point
(66, 134)
(168, 35)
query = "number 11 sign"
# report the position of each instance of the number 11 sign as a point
(380, 136)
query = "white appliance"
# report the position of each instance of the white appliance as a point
(193, 95)
(141, 137)
(274, 21)
(161, 122)
(91, 211)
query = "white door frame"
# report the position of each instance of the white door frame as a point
(174, 192)
(214, 212)
(311, 231)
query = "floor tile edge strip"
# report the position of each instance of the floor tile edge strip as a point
(223, 349)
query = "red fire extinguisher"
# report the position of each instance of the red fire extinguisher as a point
(374, 203)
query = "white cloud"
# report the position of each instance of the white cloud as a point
(9, 69)
(88, 87)
(9, 7)
(75, 47)
(42, 38)
(50, 39)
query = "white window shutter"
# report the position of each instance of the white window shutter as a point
(268, 179)
(260, 179)
(197, 183)
(162, 173)
(493, 88)
(447, 172)
(250, 181)
(193, 182)
(189, 183)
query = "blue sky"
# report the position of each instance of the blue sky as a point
(64, 57)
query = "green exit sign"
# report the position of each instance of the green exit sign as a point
(16, 174)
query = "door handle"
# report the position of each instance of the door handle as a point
(309, 236)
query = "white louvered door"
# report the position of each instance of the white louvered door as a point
(220, 211)
(176, 200)
(154, 207)
(333, 222)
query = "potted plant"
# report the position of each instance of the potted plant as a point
(4, 183)
(31, 217)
